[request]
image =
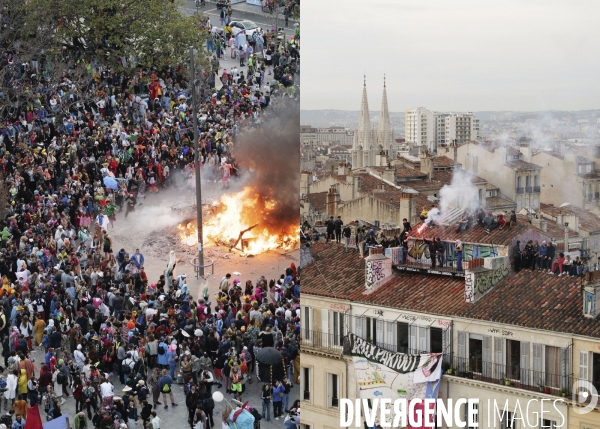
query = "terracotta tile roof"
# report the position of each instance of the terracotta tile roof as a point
(510, 150)
(588, 222)
(538, 301)
(444, 161)
(333, 272)
(318, 201)
(522, 165)
(478, 235)
(498, 202)
(441, 178)
(527, 299)
(491, 187)
(416, 292)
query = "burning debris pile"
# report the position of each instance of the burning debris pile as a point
(265, 215)
(244, 221)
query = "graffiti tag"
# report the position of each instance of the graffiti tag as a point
(444, 323)
(487, 281)
(469, 297)
(375, 273)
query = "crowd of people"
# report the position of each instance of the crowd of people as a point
(74, 153)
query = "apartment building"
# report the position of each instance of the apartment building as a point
(425, 128)
(518, 180)
(419, 128)
(521, 338)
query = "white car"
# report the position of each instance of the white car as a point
(249, 26)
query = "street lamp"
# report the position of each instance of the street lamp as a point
(197, 165)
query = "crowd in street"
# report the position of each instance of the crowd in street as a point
(76, 152)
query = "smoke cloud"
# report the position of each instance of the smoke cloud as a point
(272, 154)
(461, 193)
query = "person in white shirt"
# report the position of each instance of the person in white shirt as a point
(79, 358)
(106, 391)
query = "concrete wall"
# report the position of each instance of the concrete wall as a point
(487, 393)
(370, 209)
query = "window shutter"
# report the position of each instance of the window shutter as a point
(537, 364)
(446, 344)
(422, 339)
(379, 332)
(565, 367)
(390, 335)
(462, 352)
(413, 339)
(486, 364)
(358, 327)
(499, 357)
(525, 353)
(324, 327)
(584, 365)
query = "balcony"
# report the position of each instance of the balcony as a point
(597, 194)
(322, 342)
(513, 376)
(520, 191)
(536, 189)
(528, 189)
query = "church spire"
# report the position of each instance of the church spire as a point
(385, 137)
(364, 123)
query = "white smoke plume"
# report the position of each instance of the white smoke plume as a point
(461, 193)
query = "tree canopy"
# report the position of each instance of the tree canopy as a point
(114, 33)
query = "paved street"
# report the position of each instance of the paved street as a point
(177, 417)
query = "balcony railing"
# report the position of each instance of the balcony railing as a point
(597, 194)
(528, 189)
(513, 375)
(321, 341)
(520, 190)
(590, 196)
(536, 189)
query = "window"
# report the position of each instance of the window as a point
(304, 426)
(402, 337)
(475, 353)
(305, 383)
(332, 390)
(596, 370)
(552, 367)
(337, 328)
(475, 417)
(513, 359)
(436, 340)
(547, 424)
(519, 182)
(507, 421)
(307, 322)
(536, 181)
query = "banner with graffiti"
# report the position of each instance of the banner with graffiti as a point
(418, 252)
(382, 373)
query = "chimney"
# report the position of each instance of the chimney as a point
(407, 206)
(389, 174)
(355, 186)
(566, 225)
(378, 269)
(591, 300)
(333, 199)
(426, 164)
(342, 169)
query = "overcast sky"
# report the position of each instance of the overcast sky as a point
(452, 55)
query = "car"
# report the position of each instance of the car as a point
(249, 26)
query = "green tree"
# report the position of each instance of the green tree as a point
(148, 33)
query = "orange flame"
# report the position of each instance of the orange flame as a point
(239, 212)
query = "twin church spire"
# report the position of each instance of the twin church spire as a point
(372, 147)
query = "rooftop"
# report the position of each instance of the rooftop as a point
(522, 165)
(526, 299)
(318, 201)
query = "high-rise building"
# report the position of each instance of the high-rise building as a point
(424, 128)
(419, 128)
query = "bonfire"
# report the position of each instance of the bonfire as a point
(246, 219)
